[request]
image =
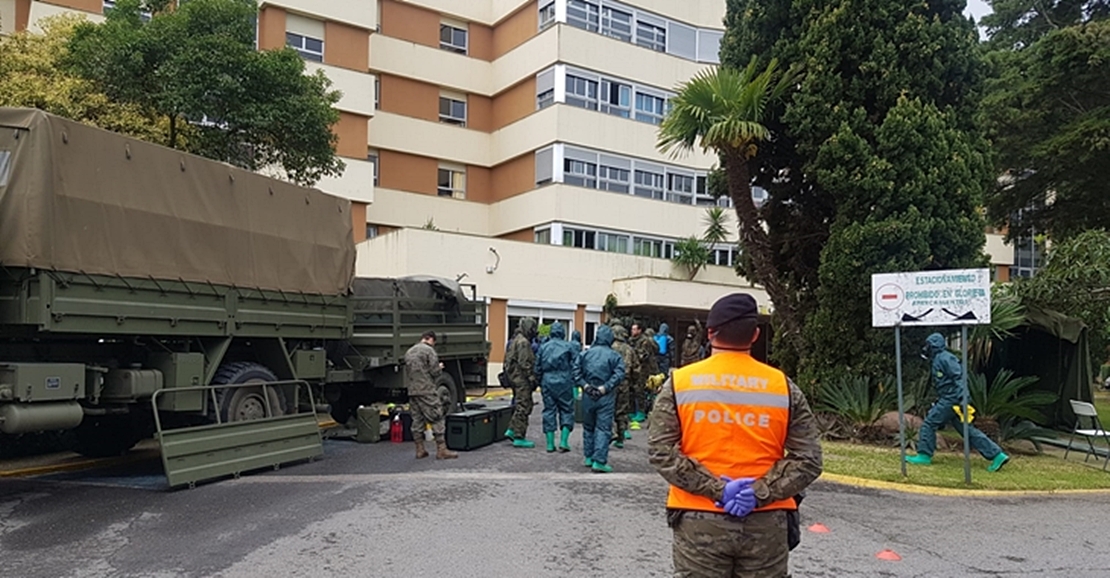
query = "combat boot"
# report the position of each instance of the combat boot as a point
(442, 453)
(421, 453)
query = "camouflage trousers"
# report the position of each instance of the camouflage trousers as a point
(637, 401)
(426, 409)
(721, 546)
(522, 397)
(624, 408)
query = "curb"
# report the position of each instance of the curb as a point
(950, 492)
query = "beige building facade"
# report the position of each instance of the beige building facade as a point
(511, 144)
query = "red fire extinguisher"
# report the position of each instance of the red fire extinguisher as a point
(396, 434)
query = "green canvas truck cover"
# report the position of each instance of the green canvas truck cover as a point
(80, 199)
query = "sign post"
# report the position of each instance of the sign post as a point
(931, 298)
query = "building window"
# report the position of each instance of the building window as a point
(591, 330)
(371, 231)
(613, 179)
(680, 188)
(579, 173)
(616, 98)
(543, 237)
(581, 92)
(372, 157)
(545, 98)
(452, 183)
(309, 48)
(612, 243)
(452, 111)
(547, 15)
(651, 36)
(377, 93)
(452, 38)
(649, 185)
(578, 238)
(649, 108)
(616, 23)
(647, 247)
(581, 14)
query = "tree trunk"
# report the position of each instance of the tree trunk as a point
(757, 244)
(173, 131)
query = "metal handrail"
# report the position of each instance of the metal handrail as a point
(212, 393)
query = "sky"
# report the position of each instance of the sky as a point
(977, 9)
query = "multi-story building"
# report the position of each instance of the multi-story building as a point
(511, 144)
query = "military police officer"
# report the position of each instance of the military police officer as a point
(736, 440)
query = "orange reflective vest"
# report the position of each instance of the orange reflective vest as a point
(734, 413)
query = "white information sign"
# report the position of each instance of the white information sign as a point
(928, 298)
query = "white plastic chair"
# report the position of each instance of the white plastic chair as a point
(1087, 415)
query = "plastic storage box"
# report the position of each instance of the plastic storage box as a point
(469, 430)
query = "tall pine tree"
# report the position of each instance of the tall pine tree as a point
(877, 165)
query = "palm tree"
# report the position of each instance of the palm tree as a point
(723, 110)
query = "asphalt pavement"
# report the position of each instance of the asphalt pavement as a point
(372, 510)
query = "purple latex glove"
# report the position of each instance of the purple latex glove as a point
(742, 504)
(732, 488)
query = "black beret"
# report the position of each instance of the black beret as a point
(732, 307)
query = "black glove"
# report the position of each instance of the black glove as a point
(594, 392)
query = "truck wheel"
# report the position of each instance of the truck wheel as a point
(103, 436)
(247, 403)
(448, 393)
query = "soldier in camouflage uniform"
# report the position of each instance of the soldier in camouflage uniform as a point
(422, 368)
(692, 346)
(738, 526)
(645, 349)
(649, 366)
(624, 390)
(520, 362)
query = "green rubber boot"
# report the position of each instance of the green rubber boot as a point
(600, 468)
(588, 463)
(920, 459)
(618, 442)
(1000, 460)
(509, 434)
(523, 443)
(564, 440)
(550, 441)
(627, 435)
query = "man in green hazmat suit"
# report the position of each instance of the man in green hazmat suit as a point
(557, 372)
(950, 381)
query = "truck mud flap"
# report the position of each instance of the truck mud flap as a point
(207, 452)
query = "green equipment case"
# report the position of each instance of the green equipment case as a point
(502, 415)
(470, 430)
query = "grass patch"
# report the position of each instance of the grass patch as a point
(1102, 404)
(1041, 472)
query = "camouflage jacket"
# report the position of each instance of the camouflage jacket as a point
(520, 362)
(631, 362)
(648, 351)
(422, 369)
(801, 465)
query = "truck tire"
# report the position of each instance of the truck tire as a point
(448, 392)
(103, 436)
(247, 403)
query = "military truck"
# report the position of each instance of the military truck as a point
(143, 289)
